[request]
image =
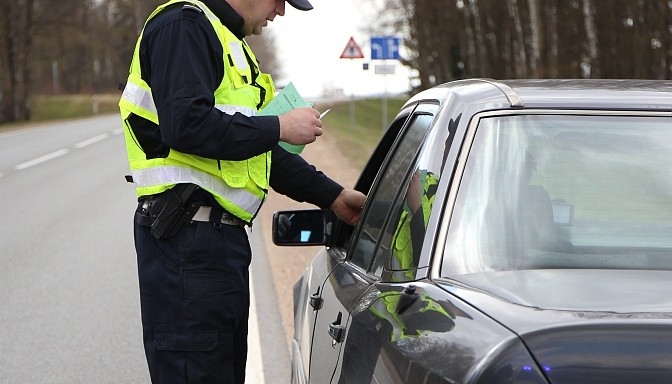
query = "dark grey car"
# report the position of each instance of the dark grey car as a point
(514, 232)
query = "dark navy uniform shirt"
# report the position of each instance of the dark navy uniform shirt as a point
(181, 58)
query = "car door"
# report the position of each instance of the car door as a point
(309, 292)
(349, 261)
(331, 283)
(395, 317)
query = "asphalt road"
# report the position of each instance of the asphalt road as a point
(69, 307)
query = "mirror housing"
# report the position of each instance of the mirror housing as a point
(303, 227)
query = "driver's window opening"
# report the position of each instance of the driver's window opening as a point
(402, 240)
(382, 198)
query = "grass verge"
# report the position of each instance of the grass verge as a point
(358, 125)
(72, 106)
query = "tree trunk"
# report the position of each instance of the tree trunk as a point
(535, 47)
(518, 49)
(591, 66)
(11, 53)
(25, 61)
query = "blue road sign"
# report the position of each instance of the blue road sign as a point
(384, 48)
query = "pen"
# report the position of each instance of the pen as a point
(324, 113)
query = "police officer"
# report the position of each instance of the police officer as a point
(202, 162)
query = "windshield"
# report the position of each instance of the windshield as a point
(564, 191)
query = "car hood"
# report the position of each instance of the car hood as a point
(588, 326)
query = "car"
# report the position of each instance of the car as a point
(515, 231)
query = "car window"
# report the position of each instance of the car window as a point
(402, 239)
(563, 191)
(382, 196)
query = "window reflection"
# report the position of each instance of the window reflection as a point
(382, 199)
(402, 240)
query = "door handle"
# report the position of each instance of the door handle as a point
(316, 301)
(336, 330)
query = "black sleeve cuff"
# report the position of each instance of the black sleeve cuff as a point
(292, 176)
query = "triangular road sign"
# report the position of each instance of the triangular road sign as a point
(352, 51)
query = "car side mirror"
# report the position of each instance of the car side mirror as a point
(302, 227)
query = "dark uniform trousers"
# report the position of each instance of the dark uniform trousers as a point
(194, 298)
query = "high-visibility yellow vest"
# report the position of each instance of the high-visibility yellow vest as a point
(240, 187)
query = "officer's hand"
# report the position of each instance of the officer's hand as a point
(348, 205)
(300, 126)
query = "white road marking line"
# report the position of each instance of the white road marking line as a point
(92, 140)
(254, 371)
(1, 174)
(118, 131)
(41, 159)
(62, 152)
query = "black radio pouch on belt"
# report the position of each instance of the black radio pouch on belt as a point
(171, 210)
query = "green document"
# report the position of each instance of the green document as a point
(288, 99)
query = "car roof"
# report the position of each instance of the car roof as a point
(618, 94)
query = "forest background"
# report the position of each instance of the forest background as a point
(50, 47)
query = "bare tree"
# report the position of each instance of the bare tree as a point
(589, 63)
(535, 46)
(17, 20)
(264, 48)
(520, 58)
(550, 58)
(85, 46)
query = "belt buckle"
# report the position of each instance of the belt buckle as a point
(231, 219)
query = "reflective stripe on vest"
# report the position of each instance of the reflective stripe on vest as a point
(232, 109)
(175, 175)
(140, 97)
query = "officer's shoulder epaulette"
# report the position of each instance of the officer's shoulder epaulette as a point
(190, 8)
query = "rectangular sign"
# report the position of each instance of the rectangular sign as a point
(384, 69)
(385, 47)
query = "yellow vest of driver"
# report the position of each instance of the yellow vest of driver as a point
(240, 187)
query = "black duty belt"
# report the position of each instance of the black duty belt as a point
(203, 214)
(207, 213)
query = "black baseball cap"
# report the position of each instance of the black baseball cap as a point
(302, 5)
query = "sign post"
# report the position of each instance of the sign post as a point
(385, 48)
(352, 51)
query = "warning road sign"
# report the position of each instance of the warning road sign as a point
(352, 51)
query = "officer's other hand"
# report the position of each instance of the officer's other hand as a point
(300, 126)
(348, 205)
